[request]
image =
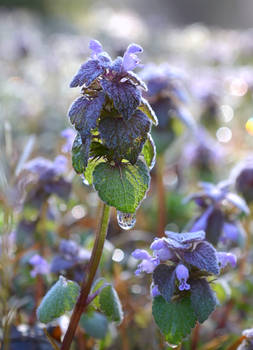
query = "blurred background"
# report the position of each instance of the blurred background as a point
(42, 44)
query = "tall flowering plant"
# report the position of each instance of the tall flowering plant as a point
(113, 151)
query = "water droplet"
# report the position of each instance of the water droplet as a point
(126, 220)
(85, 182)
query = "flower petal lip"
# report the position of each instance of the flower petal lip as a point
(140, 254)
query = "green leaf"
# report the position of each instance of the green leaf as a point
(59, 299)
(97, 284)
(80, 153)
(203, 299)
(122, 187)
(164, 277)
(149, 152)
(175, 319)
(88, 173)
(110, 304)
(95, 324)
(147, 109)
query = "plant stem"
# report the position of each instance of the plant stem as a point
(161, 197)
(87, 281)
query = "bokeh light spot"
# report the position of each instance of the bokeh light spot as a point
(249, 126)
(224, 134)
(227, 113)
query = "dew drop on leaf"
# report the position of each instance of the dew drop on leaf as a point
(126, 220)
(85, 182)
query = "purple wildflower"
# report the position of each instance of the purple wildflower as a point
(161, 250)
(154, 291)
(69, 134)
(182, 274)
(40, 265)
(148, 263)
(214, 219)
(226, 258)
(70, 255)
(95, 47)
(130, 59)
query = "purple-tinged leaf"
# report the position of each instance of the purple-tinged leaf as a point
(88, 72)
(126, 96)
(203, 299)
(203, 257)
(80, 153)
(183, 240)
(136, 80)
(125, 138)
(164, 278)
(147, 109)
(77, 108)
(238, 202)
(85, 112)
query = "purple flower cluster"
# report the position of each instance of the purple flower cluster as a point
(166, 94)
(111, 95)
(218, 218)
(40, 265)
(178, 259)
(70, 258)
(49, 179)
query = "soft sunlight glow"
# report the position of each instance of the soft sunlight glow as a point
(238, 87)
(224, 134)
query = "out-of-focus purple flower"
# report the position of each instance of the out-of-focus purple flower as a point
(40, 265)
(203, 151)
(69, 134)
(214, 220)
(148, 263)
(130, 59)
(155, 291)
(218, 193)
(230, 232)
(45, 168)
(70, 255)
(226, 258)
(182, 274)
(60, 164)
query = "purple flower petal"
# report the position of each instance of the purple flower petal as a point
(182, 274)
(141, 254)
(226, 258)
(95, 46)
(201, 222)
(230, 232)
(238, 202)
(155, 291)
